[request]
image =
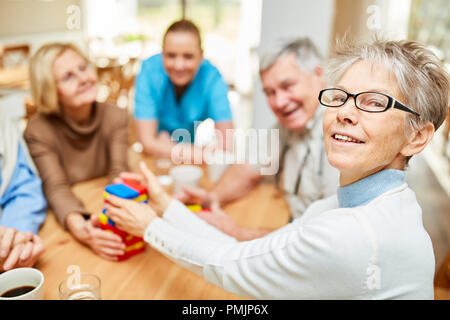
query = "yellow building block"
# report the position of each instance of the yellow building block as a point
(194, 207)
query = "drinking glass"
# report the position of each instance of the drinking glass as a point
(82, 286)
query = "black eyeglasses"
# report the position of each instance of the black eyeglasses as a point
(365, 101)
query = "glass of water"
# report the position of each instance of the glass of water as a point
(80, 286)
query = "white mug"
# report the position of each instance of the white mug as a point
(166, 182)
(21, 277)
(185, 176)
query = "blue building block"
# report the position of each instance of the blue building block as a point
(122, 191)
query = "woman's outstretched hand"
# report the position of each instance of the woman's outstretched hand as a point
(158, 197)
(129, 215)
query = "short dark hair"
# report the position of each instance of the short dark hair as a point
(184, 26)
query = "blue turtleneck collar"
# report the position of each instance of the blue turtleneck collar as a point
(367, 189)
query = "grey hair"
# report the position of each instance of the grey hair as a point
(420, 75)
(306, 53)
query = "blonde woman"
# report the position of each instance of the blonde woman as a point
(73, 138)
(384, 104)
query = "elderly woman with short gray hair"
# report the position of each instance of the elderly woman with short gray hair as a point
(366, 242)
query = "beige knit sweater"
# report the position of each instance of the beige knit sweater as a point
(66, 153)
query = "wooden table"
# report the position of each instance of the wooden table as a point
(148, 275)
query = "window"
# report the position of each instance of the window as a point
(218, 21)
(429, 23)
(154, 16)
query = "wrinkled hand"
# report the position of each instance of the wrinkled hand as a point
(131, 176)
(18, 249)
(7, 239)
(30, 253)
(216, 217)
(221, 220)
(129, 215)
(193, 195)
(106, 244)
(159, 199)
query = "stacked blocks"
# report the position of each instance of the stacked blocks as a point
(131, 190)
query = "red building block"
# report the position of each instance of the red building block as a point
(135, 186)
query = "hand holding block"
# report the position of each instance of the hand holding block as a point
(132, 191)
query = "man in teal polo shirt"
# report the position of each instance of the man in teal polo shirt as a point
(176, 89)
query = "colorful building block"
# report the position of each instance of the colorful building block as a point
(194, 207)
(197, 208)
(135, 186)
(121, 191)
(132, 191)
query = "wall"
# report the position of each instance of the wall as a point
(37, 21)
(364, 18)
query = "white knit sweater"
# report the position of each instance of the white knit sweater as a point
(376, 251)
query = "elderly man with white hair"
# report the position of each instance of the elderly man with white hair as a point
(292, 77)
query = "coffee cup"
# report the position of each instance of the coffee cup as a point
(185, 176)
(166, 182)
(21, 284)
